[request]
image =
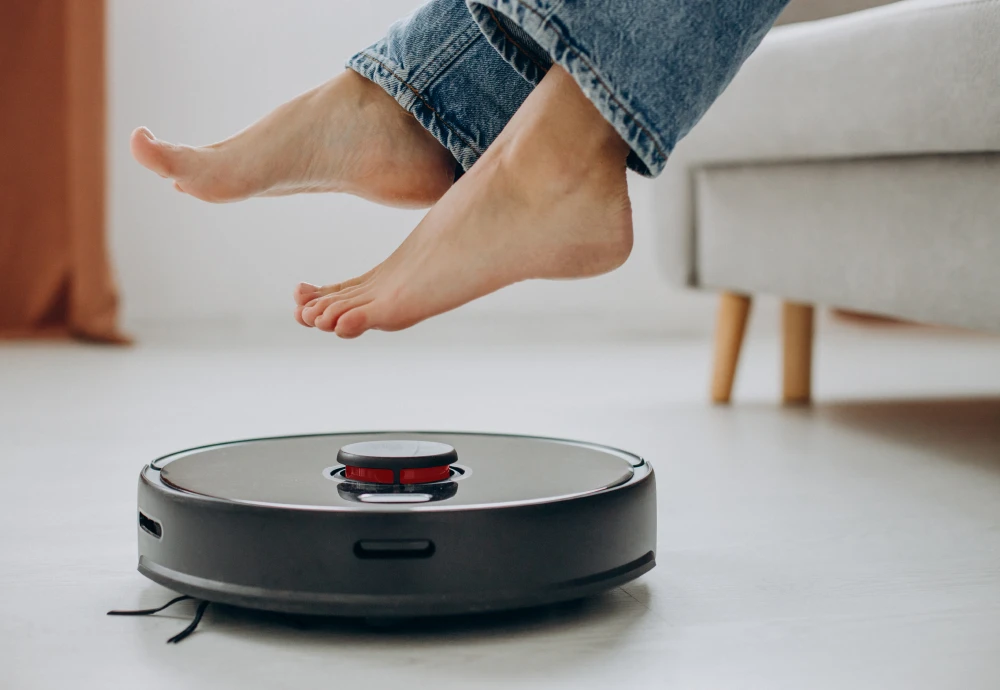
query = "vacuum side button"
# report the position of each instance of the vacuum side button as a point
(395, 498)
(394, 548)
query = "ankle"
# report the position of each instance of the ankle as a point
(550, 164)
(570, 117)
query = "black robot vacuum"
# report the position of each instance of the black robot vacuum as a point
(396, 524)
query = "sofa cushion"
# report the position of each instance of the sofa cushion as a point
(810, 10)
(913, 77)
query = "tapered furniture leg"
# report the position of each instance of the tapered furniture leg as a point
(797, 344)
(733, 311)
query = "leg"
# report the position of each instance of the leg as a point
(797, 342)
(389, 129)
(651, 68)
(729, 330)
(547, 200)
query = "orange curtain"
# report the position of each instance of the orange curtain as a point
(55, 275)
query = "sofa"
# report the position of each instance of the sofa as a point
(853, 162)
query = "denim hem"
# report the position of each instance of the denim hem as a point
(382, 71)
(539, 20)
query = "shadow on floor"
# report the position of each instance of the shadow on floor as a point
(604, 618)
(965, 430)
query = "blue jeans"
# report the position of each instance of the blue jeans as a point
(652, 67)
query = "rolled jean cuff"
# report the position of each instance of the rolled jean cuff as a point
(438, 66)
(531, 37)
(380, 69)
(652, 68)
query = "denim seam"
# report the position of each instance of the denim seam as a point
(553, 8)
(424, 101)
(509, 50)
(419, 98)
(510, 38)
(438, 63)
(547, 23)
(452, 58)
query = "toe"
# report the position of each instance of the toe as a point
(307, 313)
(298, 316)
(327, 321)
(166, 160)
(347, 285)
(305, 293)
(313, 309)
(353, 323)
(313, 301)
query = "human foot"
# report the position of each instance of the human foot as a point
(347, 135)
(547, 200)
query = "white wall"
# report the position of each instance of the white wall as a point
(195, 71)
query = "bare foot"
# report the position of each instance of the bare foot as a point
(347, 135)
(547, 200)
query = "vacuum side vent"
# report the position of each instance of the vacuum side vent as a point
(150, 526)
(394, 548)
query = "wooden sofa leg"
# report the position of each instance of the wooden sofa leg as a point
(729, 329)
(797, 343)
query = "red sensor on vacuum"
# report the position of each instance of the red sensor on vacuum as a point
(397, 462)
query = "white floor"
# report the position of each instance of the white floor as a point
(852, 545)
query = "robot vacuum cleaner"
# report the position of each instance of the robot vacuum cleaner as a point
(396, 524)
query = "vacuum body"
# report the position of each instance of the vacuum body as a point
(396, 523)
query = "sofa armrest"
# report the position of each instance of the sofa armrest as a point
(913, 77)
(674, 196)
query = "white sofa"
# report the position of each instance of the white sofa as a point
(854, 162)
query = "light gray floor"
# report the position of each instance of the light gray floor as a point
(852, 545)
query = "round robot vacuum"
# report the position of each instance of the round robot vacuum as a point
(396, 524)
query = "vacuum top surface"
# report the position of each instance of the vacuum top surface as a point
(447, 470)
